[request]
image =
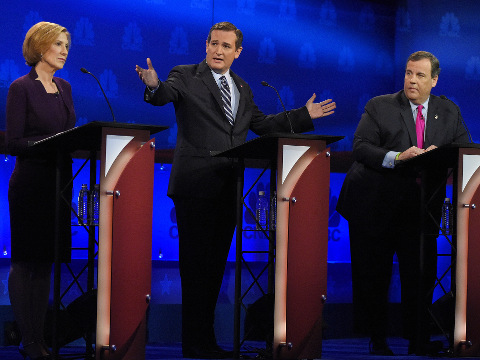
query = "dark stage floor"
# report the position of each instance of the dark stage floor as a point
(333, 349)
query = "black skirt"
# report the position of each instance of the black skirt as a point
(31, 195)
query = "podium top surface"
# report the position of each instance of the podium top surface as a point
(445, 156)
(89, 136)
(265, 146)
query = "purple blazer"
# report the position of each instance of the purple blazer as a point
(30, 116)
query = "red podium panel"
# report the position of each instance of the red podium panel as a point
(124, 253)
(132, 231)
(467, 307)
(302, 165)
(301, 258)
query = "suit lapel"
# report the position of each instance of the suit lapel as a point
(205, 74)
(432, 123)
(241, 92)
(407, 116)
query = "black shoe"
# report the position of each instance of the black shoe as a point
(213, 352)
(430, 348)
(380, 347)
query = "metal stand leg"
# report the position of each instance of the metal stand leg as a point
(238, 263)
(57, 264)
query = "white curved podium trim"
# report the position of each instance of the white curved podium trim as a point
(115, 144)
(291, 154)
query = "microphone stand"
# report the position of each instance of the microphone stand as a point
(264, 83)
(85, 71)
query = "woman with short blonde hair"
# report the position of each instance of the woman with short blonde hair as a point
(39, 105)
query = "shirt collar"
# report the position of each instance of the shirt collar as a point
(425, 105)
(218, 76)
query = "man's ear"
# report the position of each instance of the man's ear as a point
(238, 51)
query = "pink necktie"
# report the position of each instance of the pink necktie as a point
(420, 126)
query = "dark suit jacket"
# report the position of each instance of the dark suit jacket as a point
(370, 192)
(203, 128)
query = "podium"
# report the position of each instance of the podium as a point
(464, 162)
(300, 173)
(124, 232)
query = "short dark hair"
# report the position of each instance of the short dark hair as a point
(227, 26)
(419, 55)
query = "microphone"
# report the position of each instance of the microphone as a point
(264, 83)
(463, 121)
(85, 71)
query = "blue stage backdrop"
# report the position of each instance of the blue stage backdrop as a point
(348, 50)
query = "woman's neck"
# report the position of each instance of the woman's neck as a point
(45, 73)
